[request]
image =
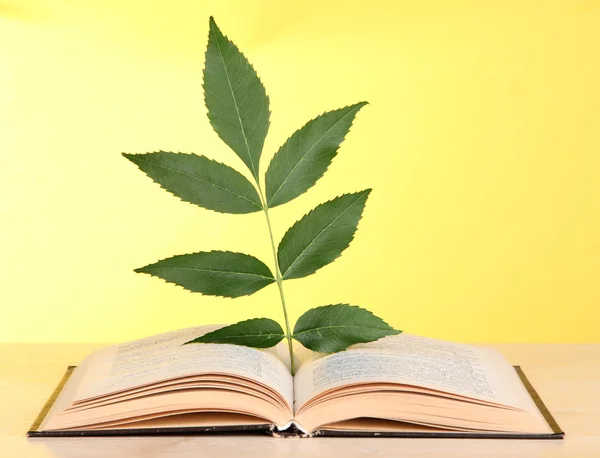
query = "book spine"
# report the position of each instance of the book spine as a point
(290, 429)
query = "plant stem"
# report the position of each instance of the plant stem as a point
(279, 280)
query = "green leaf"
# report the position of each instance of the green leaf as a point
(332, 328)
(257, 333)
(305, 156)
(214, 273)
(199, 180)
(320, 236)
(238, 106)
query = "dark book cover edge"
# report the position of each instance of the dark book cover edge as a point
(556, 430)
(50, 402)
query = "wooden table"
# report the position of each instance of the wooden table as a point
(566, 376)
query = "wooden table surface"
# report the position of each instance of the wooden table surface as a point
(566, 376)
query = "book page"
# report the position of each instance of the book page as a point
(162, 357)
(406, 359)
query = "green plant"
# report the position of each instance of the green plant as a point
(238, 109)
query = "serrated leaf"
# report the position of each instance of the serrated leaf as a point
(332, 328)
(321, 235)
(214, 273)
(306, 155)
(256, 332)
(238, 106)
(199, 180)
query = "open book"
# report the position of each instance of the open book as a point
(401, 385)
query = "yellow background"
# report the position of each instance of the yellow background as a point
(481, 143)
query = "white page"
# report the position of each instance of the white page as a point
(406, 359)
(164, 356)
